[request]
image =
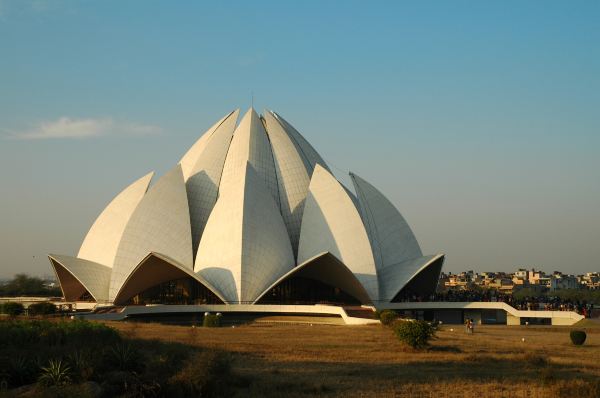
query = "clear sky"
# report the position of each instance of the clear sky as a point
(479, 120)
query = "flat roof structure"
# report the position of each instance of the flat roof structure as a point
(483, 312)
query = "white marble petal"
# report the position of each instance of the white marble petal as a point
(101, 242)
(189, 160)
(250, 144)
(309, 154)
(293, 175)
(202, 185)
(245, 246)
(331, 223)
(394, 277)
(77, 275)
(160, 223)
(391, 238)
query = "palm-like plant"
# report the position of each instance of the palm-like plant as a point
(55, 374)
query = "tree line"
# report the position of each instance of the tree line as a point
(25, 285)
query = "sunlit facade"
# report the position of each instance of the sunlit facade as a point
(250, 215)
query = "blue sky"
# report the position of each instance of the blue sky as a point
(479, 120)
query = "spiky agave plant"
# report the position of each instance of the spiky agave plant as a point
(55, 374)
(124, 357)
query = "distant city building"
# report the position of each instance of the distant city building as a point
(533, 279)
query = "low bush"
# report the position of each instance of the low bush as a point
(12, 308)
(211, 321)
(578, 337)
(414, 333)
(388, 317)
(44, 308)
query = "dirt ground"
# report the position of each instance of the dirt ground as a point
(303, 360)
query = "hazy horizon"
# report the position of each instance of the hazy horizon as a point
(479, 121)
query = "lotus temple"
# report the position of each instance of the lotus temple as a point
(250, 219)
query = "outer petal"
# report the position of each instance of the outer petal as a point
(160, 223)
(245, 246)
(419, 276)
(101, 243)
(77, 275)
(391, 237)
(154, 269)
(328, 269)
(331, 223)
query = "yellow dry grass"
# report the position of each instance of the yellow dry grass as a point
(301, 360)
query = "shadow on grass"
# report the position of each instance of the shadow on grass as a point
(284, 378)
(444, 348)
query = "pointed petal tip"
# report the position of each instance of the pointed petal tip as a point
(150, 175)
(251, 112)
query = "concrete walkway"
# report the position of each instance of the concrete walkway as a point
(295, 310)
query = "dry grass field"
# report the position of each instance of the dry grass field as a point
(301, 360)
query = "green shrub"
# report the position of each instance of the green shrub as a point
(414, 333)
(44, 308)
(578, 337)
(211, 321)
(11, 308)
(388, 317)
